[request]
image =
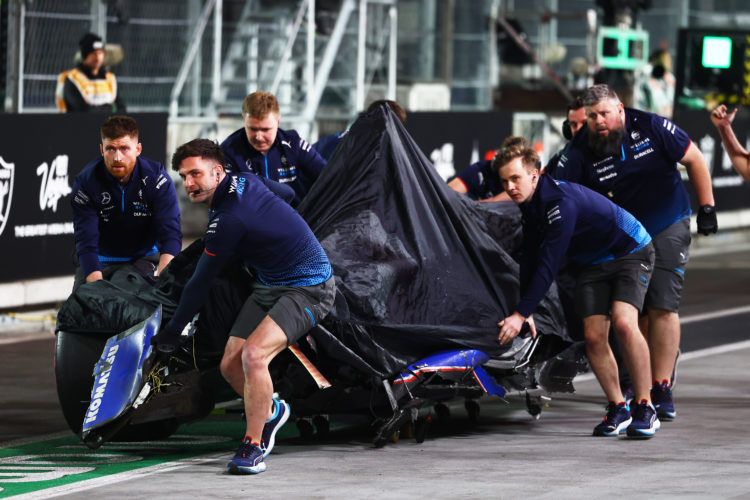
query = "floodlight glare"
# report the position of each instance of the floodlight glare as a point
(717, 52)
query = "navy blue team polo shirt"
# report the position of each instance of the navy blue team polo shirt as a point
(291, 160)
(642, 177)
(247, 220)
(480, 181)
(569, 219)
(115, 223)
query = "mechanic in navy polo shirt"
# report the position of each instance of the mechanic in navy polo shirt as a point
(479, 181)
(264, 149)
(124, 208)
(293, 289)
(574, 121)
(631, 157)
(616, 258)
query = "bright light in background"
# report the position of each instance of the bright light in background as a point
(717, 52)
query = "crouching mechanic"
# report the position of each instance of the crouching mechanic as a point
(125, 209)
(616, 258)
(294, 287)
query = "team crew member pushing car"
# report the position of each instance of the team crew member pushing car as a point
(631, 157)
(125, 208)
(294, 287)
(616, 258)
(262, 148)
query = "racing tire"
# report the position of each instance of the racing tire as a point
(421, 427)
(322, 425)
(306, 428)
(76, 355)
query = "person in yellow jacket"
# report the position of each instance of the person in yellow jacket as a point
(89, 86)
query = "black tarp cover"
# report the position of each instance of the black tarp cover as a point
(419, 268)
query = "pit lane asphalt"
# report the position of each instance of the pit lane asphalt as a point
(704, 453)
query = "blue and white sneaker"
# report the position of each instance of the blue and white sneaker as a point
(615, 421)
(661, 396)
(629, 394)
(278, 419)
(645, 422)
(247, 460)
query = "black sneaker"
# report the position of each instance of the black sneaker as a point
(615, 421)
(661, 396)
(247, 460)
(278, 419)
(645, 422)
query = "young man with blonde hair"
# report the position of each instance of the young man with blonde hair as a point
(262, 148)
(615, 256)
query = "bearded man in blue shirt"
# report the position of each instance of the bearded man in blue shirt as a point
(631, 157)
(125, 208)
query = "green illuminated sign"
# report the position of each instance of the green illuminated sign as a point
(717, 52)
(621, 48)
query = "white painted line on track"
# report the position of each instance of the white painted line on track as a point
(711, 351)
(717, 249)
(119, 477)
(713, 315)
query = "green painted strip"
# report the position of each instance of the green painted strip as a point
(61, 461)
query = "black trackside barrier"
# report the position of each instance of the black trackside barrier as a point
(40, 155)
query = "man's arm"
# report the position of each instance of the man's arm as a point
(86, 232)
(283, 191)
(700, 177)
(166, 218)
(193, 297)
(550, 254)
(738, 154)
(310, 160)
(498, 197)
(164, 259)
(94, 276)
(458, 186)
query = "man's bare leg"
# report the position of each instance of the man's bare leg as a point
(259, 349)
(635, 352)
(600, 356)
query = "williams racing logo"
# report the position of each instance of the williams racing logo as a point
(237, 184)
(7, 171)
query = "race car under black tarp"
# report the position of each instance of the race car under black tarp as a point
(419, 268)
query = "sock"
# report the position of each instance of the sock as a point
(249, 439)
